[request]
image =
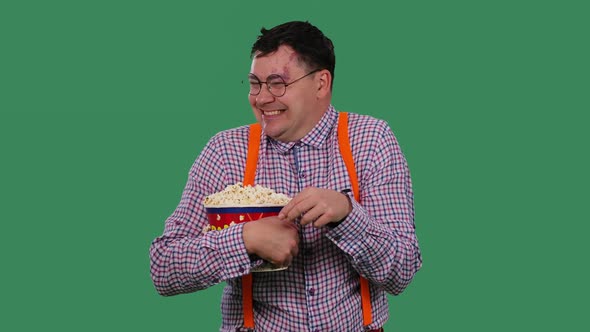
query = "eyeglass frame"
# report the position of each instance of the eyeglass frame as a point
(282, 79)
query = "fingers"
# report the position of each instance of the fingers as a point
(313, 214)
(284, 256)
(319, 216)
(276, 241)
(293, 210)
(300, 206)
(316, 206)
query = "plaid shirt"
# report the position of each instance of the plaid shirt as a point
(320, 289)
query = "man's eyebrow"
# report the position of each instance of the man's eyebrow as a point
(252, 75)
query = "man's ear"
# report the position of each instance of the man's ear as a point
(324, 83)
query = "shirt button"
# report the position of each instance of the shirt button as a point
(302, 175)
(311, 291)
(241, 269)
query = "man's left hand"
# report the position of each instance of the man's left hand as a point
(317, 206)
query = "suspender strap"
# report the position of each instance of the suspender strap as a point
(252, 159)
(249, 175)
(247, 301)
(346, 152)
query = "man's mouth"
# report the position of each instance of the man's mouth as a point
(271, 113)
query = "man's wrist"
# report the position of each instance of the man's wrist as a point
(346, 193)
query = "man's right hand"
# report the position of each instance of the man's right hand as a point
(272, 239)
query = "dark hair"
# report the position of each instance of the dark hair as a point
(314, 49)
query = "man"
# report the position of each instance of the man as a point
(327, 239)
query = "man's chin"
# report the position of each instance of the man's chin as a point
(275, 133)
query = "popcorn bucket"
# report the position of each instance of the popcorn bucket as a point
(222, 217)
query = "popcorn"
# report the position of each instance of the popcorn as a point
(238, 195)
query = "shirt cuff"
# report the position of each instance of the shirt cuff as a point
(233, 252)
(348, 233)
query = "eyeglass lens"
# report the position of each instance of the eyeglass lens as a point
(276, 85)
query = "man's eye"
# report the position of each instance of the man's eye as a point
(276, 85)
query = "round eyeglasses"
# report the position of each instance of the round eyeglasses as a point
(275, 83)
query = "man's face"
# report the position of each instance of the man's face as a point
(289, 117)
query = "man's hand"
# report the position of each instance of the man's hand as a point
(317, 206)
(272, 239)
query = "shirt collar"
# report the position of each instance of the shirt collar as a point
(316, 137)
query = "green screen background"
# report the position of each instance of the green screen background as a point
(104, 105)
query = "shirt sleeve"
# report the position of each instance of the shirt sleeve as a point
(185, 258)
(379, 234)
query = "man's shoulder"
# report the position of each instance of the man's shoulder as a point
(364, 118)
(365, 125)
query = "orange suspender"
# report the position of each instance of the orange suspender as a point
(252, 159)
(249, 175)
(346, 152)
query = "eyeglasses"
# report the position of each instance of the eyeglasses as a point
(275, 83)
